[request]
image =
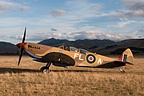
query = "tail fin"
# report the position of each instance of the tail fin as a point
(127, 56)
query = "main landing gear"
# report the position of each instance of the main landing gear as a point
(45, 69)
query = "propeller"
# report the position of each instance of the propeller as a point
(24, 35)
(21, 46)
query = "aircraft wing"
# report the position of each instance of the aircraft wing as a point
(57, 57)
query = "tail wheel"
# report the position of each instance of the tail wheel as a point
(122, 70)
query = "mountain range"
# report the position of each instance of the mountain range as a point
(104, 47)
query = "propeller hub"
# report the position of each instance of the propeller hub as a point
(20, 45)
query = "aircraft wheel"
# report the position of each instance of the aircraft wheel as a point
(44, 69)
(122, 70)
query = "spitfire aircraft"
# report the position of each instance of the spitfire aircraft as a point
(70, 56)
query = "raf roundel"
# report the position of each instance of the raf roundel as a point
(90, 58)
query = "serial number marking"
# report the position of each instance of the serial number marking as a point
(35, 47)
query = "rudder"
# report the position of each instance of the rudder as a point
(127, 56)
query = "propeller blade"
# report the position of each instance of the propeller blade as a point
(20, 56)
(24, 36)
(21, 46)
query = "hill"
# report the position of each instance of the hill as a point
(136, 45)
(86, 43)
(8, 49)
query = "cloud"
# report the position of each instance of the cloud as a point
(7, 6)
(135, 8)
(76, 35)
(53, 29)
(124, 23)
(1, 12)
(24, 8)
(58, 12)
(138, 33)
(83, 8)
(98, 35)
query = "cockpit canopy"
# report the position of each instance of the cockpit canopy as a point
(74, 49)
(82, 51)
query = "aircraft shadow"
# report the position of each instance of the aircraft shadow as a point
(16, 70)
(71, 71)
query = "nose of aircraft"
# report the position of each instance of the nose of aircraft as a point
(20, 45)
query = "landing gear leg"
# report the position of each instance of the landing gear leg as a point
(45, 69)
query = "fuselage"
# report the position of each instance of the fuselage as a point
(80, 56)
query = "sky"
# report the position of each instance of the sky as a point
(71, 19)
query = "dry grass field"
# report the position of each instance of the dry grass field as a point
(27, 80)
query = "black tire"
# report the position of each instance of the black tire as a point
(44, 69)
